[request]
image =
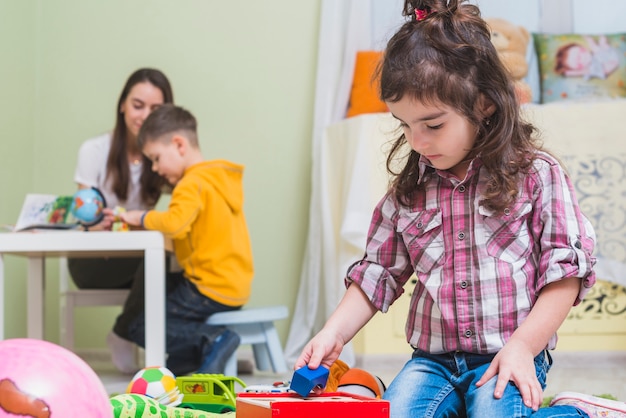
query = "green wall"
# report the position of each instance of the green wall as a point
(245, 69)
(17, 131)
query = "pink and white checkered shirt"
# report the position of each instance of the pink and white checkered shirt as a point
(478, 274)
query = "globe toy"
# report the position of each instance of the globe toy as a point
(158, 383)
(87, 206)
(41, 379)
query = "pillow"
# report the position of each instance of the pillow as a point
(364, 93)
(574, 67)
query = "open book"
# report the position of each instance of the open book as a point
(46, 212)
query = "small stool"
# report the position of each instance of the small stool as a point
(255, 326)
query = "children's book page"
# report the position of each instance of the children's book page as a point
(44, 211)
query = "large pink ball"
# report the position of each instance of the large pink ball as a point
(43, 380)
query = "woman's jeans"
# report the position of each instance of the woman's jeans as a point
(444, 385)
(113, 273)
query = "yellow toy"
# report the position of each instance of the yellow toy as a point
(119, 225)
(130, 405)
(511, 42)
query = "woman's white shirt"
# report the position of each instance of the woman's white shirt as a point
(91, 170)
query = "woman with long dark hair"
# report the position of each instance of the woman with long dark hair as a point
(114, 164)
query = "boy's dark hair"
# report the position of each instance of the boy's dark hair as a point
(444, 54)
(168, 119)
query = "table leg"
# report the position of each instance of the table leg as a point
(34, 296)
(155, 307)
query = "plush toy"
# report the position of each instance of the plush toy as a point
(511, 42)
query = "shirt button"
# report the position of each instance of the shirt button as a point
(461, 188)
(420, 224)
(507, 211)
(464, 284)
(461, 235)
(578, 245)
(468, 333)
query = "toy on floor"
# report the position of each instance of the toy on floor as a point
(130, 405)
(87, 206)
(276, 387)
(326, 405)
(361, 382)
(355, 381)
(305, 379)
(158, 383)
(43, 380)
(209, 392)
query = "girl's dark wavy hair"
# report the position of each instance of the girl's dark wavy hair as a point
(448, 58)
(117, 163)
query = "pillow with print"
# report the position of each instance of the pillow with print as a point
(581, 67)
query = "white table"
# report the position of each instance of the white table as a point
(38, 245)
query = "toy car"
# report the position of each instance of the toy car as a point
(208, 392)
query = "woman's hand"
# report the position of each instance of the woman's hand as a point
(106, 223)
(108, 219)
(515, 363)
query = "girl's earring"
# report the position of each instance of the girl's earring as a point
(487, 122)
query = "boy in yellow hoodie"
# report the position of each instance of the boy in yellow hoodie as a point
(206, 222)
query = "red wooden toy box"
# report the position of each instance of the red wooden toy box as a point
(292, 405)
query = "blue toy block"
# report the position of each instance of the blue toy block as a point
(305, 379)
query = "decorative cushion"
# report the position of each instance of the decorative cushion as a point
(364, 93)
(599, 180)
(574, 66)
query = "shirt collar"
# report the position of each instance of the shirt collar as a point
(425, 168)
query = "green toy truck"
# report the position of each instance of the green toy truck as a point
(208, 392)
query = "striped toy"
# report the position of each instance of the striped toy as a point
(130, 405)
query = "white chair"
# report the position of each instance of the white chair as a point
(255, 326)
(73, 298)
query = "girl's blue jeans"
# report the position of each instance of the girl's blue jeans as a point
(444, 385)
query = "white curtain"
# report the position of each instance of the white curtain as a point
(343, 28)
(346, 27)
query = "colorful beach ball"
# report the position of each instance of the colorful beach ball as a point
(88, 205)
(158, 383)
(41, 379)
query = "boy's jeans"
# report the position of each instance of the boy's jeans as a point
(188, 338)
(444, 385)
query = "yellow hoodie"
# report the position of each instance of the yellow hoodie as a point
(206, 222)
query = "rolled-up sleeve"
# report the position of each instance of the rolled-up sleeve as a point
(567, 237)
(386, 266)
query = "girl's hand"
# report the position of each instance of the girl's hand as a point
(323, 350)
(515, 363)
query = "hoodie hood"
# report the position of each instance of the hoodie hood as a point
(227, 179)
